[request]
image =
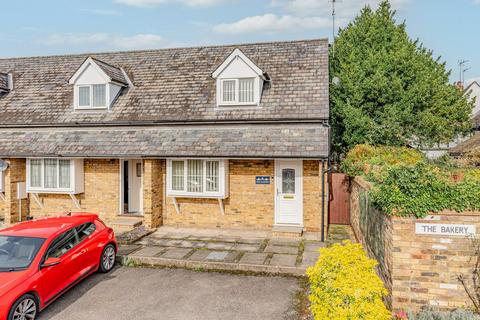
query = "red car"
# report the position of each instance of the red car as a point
(41, 259)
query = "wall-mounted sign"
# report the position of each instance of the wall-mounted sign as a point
(262, 180)
(445, 229)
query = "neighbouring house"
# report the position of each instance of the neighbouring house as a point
(472, 142)
(473, 91)
(223, 136)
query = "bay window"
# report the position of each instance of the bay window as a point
(197, 177)
(52, 175)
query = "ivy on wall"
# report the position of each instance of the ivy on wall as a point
(405, 183)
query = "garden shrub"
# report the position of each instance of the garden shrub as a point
(405, 183)
(344, 285)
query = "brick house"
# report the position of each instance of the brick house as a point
(221, 136)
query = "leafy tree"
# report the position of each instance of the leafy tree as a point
(391, 90)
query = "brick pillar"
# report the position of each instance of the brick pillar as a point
(152, 193)
(15, 173)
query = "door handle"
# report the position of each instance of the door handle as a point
(83, 251)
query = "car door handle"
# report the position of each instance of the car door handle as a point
(83, 251)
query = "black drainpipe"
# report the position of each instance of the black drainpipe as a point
(323, 200)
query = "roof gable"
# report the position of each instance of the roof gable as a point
(105, 71)
(239, 58)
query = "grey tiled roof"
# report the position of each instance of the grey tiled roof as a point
(172, 85)
(3, 82)
(254, 141)
(113, 72)
(467, 145)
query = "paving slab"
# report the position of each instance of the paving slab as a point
(309, 258)
(281, 249)
(287, 260)
(127, 249)
(313, 246)
(149, 252)
(285, 242)
(199, 255)
(219, 246)
(253, 258)
(176, 253)
(246, 247)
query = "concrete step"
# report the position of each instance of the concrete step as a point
(287, 231)
(125, 224)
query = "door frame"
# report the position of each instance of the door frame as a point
(122, 188)
(300, 192)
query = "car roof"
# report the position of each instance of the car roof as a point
(48, 227)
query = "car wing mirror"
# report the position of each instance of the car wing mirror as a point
(50, 262)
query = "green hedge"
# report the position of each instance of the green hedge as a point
(405, 183)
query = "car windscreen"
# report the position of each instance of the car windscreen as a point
(17, 253)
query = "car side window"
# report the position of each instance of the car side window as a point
(64, 243)
(85, 230)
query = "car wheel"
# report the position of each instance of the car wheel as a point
(107, 261)
(25, 308)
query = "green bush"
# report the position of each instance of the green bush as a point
(344, 285)
(405, 183)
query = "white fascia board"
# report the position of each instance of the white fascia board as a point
(89, 61)
(237, 53)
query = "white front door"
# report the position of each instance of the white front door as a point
(289, 192)
(134, 186)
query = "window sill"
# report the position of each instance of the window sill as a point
(201, 196)
(52, 191)
(91, 108)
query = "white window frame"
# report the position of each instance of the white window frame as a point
(237, 102)
(76, 177)
(2, 182)
(90, 86)
(222, 180)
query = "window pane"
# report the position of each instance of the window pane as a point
(212, 176)
(228, 91)
(85, 230)
(99, 95)
(64, 173)
(50, 173)
(84, 96)
(64, 243)
(195, 175)
(178, 175)
(36, 173)
(246, 90)
(288, 181)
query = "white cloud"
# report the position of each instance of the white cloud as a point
(476, 1)
(106, 40)
(271, 23)
(152, 3)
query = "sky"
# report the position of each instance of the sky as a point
(32, 27)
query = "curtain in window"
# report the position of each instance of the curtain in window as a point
(64, 173)
(83, 96)
(99, 95)
(195, 175)
(178, 176)
(212, 176)
(50, 173)
(36, 173)
(229, 90)
(246, 90)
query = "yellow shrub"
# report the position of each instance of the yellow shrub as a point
(344, 285)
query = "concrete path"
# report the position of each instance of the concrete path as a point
(156, 294)
(233, 250)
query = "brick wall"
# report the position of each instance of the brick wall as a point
(153, 192)
(11, 205)
(418, 270)
(249, 205)
(102, 192)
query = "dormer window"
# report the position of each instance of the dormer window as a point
(97, 84)
(238, 91)
(6, 83)
(93, 96)
(239, 81)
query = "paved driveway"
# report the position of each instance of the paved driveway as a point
(137, 293)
